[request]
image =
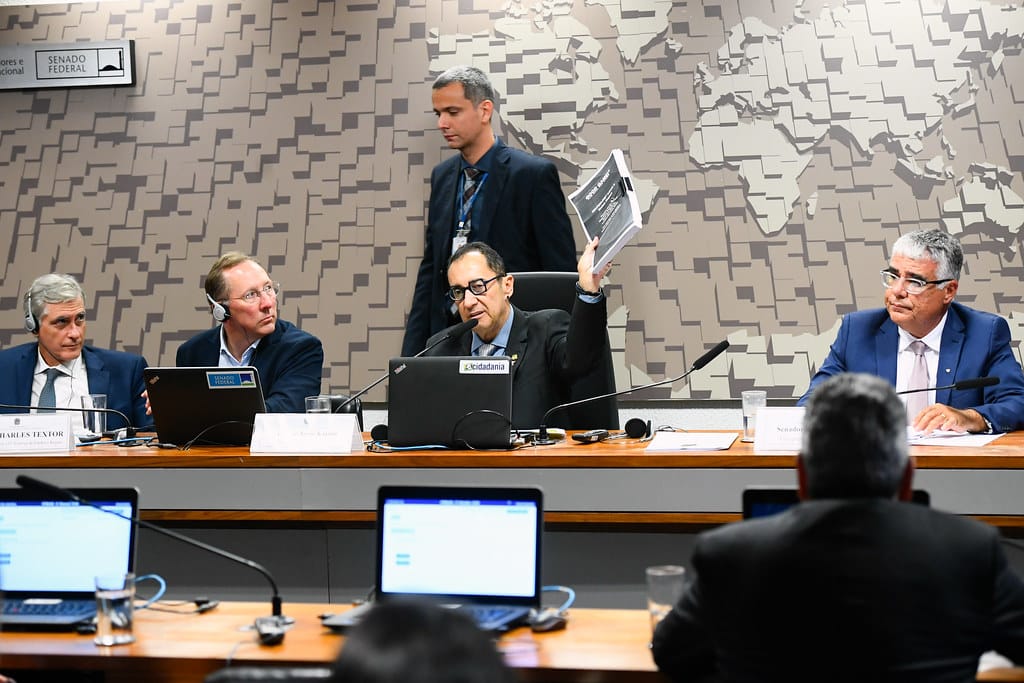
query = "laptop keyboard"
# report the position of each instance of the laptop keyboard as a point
(84, 608)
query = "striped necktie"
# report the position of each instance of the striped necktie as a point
(468, 190)
(48, 396)
(486, 349)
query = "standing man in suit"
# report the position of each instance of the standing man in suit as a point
(851, 584)
(922, 338)
(549, 349)
(58, 368)
(243, 300)
(489, 193)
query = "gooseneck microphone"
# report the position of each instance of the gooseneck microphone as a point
(542, 433)
(453, 331)
(277, 617)
(130, 431)
(973, 383)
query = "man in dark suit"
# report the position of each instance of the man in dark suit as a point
(513, 202)
(549, 349)
(55, 314)
(921, 324)
(851, 584)
(243, 300)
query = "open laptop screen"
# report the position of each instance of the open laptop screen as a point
(476, 544)
(57, 548)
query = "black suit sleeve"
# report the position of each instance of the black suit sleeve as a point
(1008, 608)
(681, 646)
(297, 376)
(552, 230)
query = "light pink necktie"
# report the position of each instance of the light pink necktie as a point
(918, 380)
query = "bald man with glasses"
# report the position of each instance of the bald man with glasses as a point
(922, 338)
(549, 349)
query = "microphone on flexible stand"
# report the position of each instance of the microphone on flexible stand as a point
(130, 431)
(271, 631)
(453, 331)
(973, 383)
(542, 433)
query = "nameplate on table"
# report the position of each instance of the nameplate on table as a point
(779, 429)
(36, 433)
(320, 433)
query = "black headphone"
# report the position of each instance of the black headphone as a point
(220, 311)
(31, 323)
(637, 428)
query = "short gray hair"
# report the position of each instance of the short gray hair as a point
(52, 288)
(476, 86)
(854, 439)
(936, 245)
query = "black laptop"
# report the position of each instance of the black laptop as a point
(762, 502)
(204, 405)
(52, 549)
(476, 549)
(450, 401)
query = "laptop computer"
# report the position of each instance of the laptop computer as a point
(762, 502)
(474, 548)
(469, 400)
(51, 550)
(204, 405)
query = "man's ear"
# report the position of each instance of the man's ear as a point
(907, 482)
(486, 109)
(801, 478)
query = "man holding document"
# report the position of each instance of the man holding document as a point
(922, 339)
(549, 349)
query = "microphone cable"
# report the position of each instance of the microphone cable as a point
(476, 413)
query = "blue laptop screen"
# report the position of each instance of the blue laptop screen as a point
(57, 546)
(459, 547)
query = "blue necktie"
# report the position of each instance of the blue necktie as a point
(48, 396)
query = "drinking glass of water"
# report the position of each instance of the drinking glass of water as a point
(664, 588)
(115, 602)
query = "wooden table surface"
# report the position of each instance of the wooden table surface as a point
(598, 646)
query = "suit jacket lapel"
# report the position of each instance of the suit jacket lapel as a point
(886, 344)
(517, 340)
(98, 377)
(23, 371)
(492, 190)
(949, 354)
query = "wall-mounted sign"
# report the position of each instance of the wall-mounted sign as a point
(106, 63)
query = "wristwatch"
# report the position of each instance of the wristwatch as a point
(583, 292)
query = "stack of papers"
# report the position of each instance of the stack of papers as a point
(667, 442)
(946, 438)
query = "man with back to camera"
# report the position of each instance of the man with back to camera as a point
(489, 193)
(922, 326)
(549, 349)
(852, 584)
(243, 300)
(58, 368)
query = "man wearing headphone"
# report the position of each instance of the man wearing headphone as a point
(57, 369)
(243, 300)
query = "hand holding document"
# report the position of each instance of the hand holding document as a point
(672, 442)
(608, 208)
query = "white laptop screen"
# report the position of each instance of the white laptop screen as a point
(56, 546)
(459, 547)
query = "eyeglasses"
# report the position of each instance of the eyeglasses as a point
(269, 290)
(478, 287)
(913, 285)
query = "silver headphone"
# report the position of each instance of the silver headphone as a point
(220, 311)
(31, 323)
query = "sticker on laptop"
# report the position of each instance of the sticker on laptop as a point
(230, 379)
(484, 366)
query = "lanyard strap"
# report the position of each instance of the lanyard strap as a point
(467, 207)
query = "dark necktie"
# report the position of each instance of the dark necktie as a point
(48, 396)
(918, 380)
(468, 190)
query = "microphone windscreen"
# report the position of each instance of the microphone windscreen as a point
(379, 433)
(977, 383)
(711, 355)
(637, 428)
(461, 328)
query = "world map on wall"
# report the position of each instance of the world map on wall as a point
(932, 87)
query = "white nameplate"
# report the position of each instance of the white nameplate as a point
(67, 65)
(333, 433)
(36, 433)
(778, 429)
